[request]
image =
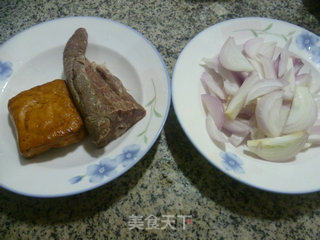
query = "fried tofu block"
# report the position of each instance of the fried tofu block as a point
(45, 117)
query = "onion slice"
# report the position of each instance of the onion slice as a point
(267, 49)
(264, 93)
(284, 113)
(214, 132)
(263, 87)
(279, 149)
(230, 87)
(315, 130)
(239, 99)
(230, 81)
(268, 67)
(290, 88)
(257, 67)
(284, 56)
(240, 76)
(303, 79)
(268, 114)
(215, 109)
(314, 83)
(236, 127)
(256, 133)
(297, 64)
(232, 59)
(314, 137)
(252, 46)
(276, 65)
(303, 112)
(211, 63)
(236, 140)
(213, 82)
(247, 111)
(227, 74)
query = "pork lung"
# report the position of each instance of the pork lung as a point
(106, 107)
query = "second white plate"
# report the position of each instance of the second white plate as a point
(299, 176)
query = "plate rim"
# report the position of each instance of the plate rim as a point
(150, 145)
(248, 183)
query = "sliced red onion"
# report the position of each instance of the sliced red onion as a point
(277, 51)
(284, 113)
(236, 127)
(231, 88)
(267, 49)
(256, 133)
(232, 80)
(252, 46)
(268, 113)
(303, 112)
(257, 67)
(236, 140)
(276, 65)
(205, 86)
(240, 76)
(230, 84)
(247, 111)
(214, 133)
(258, 70)
(268, 67)
(314, 139)
(211, 63)
(239, 99)
(314, 132)
(275, 113)
(232, 59)
(284, 56)
(244, 75)
(307, 145)
(317, 122)
(225, 73)
(214, 84)
(214, 107)
(290, 64)
(279, 149)
(290, 88)
(246, 122)
(263, 87)
(314, 83)
(303, 79)
(297, 64)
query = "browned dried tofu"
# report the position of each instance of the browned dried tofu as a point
(45, 117)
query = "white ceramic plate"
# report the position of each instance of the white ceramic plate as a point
(298, 176)
(34, 57)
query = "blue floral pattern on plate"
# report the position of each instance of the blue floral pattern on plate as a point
(232, 162)
(306, 40)
(5, 70)
(106, 166)
(315, 51)
(75, 179)
(309, 42)
(129, 153)
(97, 172)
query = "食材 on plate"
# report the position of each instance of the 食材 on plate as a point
(106, 107)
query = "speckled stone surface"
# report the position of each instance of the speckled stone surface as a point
(173, 178)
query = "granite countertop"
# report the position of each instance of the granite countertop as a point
(173, 178)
